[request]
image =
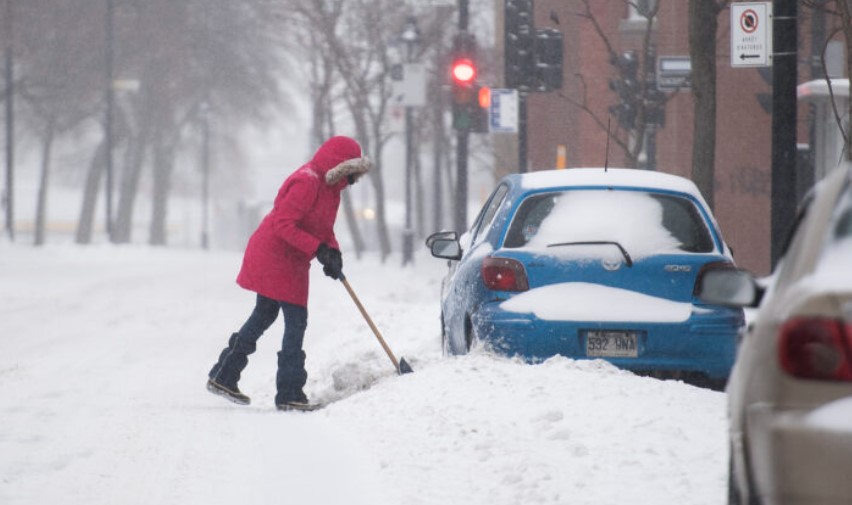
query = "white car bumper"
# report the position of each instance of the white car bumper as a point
(802, 457)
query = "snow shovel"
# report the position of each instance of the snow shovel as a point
(401, 365)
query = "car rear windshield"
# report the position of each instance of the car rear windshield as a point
(843, 220)
(641, 222)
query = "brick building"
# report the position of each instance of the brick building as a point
(743, 147)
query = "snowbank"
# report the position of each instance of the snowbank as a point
(104, 354)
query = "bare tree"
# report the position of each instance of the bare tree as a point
(360, 39)
(218, 56)
(320, 76)
(355, 35)
(56, 82)
(843, 8)
(637, 96)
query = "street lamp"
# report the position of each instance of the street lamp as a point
(411, 37)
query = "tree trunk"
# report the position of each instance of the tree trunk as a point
(44, 179)
(129, 187)
(703, 22)
(352, 223)
(85, 225)
(375, 176)
(381, 213)
(164, 162)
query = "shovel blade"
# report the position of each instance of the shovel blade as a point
(404, 367)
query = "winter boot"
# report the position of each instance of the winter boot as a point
(291, 378)
(225, 374)
(230, 393)
(296, 400)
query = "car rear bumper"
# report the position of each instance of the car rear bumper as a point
(704, 344)
(797, 461)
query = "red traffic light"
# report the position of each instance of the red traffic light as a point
(464, 71)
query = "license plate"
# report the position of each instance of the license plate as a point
(611, 344)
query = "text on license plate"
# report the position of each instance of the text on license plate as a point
(611, 344)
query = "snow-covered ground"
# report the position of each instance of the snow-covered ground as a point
(104, 352)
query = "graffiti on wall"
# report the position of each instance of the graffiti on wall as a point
(750, 181)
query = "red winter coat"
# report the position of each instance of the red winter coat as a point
(279, 253)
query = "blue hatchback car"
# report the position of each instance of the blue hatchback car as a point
(591, 263)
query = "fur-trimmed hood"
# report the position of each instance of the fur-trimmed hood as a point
(350, 169)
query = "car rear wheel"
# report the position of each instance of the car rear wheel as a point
(734, 494)
(445, 345)
(468, 334)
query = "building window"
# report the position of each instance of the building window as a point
(636, 12)
(639, 9)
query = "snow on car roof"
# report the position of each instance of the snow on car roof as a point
(610, 177)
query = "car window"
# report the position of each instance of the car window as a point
(682, 218)
(843, 220)
(645, 222)
(488, 212)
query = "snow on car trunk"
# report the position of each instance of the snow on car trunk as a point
(583, 301)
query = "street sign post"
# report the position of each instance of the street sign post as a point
(751, 34)
(504, 111)
(414, 81)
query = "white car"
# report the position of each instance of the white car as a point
(790, 391)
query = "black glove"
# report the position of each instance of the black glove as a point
(331, 261)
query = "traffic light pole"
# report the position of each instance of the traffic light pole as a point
(784, 76)
(462, 137)
(408, 232)
(461, 180)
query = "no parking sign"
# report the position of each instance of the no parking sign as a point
(751, 34)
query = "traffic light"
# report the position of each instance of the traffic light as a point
(479, 111)
(548, 59)
(463, 73)
(519, 44)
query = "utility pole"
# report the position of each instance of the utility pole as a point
(411, 37)
(784, 80)
(9, 195)
(462, 137)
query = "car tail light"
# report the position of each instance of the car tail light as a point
(708, 267)
(504, 274)
(816, 348)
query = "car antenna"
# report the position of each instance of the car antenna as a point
(606, 157)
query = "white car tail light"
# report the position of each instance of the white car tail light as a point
(816, 348)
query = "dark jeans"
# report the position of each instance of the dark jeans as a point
(291, 375)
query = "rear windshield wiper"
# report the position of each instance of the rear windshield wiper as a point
(627, 259)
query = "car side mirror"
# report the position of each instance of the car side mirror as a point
(444, 244)
(451, 235)
(736, 288)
